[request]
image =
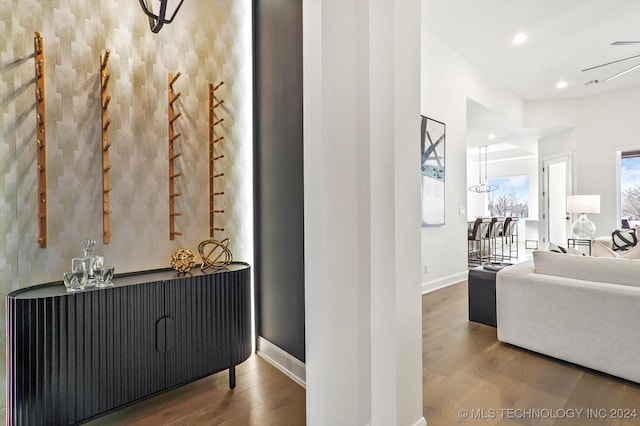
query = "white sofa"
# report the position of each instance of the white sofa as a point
(580, 309)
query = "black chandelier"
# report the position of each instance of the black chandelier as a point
(157, 21)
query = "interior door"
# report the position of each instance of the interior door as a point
(557, 185)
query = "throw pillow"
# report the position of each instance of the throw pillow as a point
(569, 250)
(557, 249)
(624, 239)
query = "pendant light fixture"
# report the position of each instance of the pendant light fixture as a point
(157, 21)
(482, 186)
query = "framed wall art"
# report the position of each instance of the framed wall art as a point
(432, 142)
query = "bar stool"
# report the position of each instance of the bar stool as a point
(505, 238)
(489, 237)
(511, 234)
(473, 243)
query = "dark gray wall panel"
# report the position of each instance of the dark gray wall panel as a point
(279, 260)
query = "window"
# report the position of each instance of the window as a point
(630, 186)
(511, 198)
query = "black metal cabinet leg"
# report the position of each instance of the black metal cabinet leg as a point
(232, 377)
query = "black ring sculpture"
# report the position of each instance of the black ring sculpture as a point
(157, 21)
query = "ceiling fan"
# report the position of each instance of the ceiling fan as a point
(615, 43)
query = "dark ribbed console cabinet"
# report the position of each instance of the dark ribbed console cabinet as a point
(75, 356)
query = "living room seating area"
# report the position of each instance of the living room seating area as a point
(578, 308)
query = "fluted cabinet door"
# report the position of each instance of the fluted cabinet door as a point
(212, 332)
(71, 352)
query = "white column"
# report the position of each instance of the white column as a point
(362, 218)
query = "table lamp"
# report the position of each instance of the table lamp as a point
(583, 228)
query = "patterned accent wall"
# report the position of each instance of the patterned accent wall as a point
(207, 42)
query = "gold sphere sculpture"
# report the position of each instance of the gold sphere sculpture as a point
(183, 260)
(215, 254)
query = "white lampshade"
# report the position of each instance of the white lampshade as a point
(583, 204)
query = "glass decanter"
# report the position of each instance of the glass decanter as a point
(89, 259)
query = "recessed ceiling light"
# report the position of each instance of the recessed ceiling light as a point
(491, 136)
(520, 38)
(561, 85)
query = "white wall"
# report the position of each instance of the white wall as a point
(603, 124)
(448, 80)
(362, 220)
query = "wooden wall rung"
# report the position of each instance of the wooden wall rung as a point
(215, 123)
(175, 98)
(175, 117)
(173, 79)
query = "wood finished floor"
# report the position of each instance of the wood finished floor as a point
(464, 367)
(263, 396)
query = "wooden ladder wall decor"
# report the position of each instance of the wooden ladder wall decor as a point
(41, 138)
(213, 140)
(106, 144)
(173, 97)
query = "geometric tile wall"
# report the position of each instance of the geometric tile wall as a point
(207, 42)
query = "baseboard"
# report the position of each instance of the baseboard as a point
(283, 361)
(430, 286)
(421, 422)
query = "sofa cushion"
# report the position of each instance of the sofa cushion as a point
(586, 268)
(632, 253)
(601, 247)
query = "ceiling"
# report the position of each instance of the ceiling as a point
(510, 139)
(564, 37)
